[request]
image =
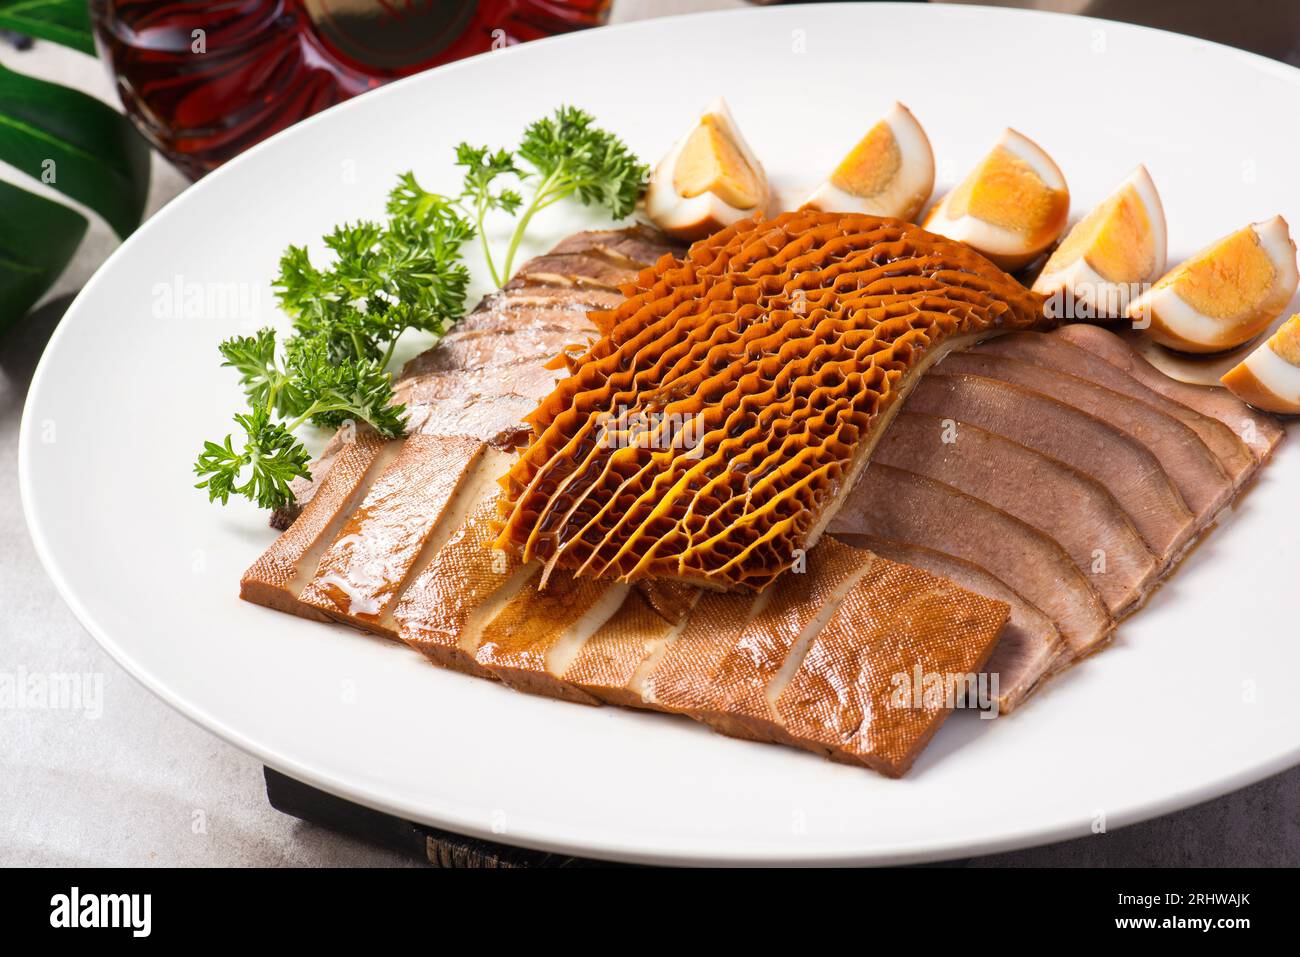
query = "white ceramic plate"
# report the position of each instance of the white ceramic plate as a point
(1195, 699)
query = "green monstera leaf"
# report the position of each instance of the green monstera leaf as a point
(59, 21)
(36, 244)
(72, 143)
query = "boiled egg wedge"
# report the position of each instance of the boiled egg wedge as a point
(709, 179)
(1225, 295)
(889, 173)
(1011, 207)
(1269, 378)
(1110, 256)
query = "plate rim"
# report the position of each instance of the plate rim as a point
(697, 852)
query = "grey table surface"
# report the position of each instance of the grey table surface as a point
(133, 783)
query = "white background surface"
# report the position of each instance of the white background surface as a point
(141, 785)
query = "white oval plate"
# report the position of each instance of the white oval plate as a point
(1195, 699)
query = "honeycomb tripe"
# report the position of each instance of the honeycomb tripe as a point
(735, 396)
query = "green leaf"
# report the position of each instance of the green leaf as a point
(75, 144)
(60, 21)
(37, 240)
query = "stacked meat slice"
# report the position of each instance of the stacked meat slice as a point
(1059, 473)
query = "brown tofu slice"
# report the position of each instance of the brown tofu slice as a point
(721, 668)
(609, 664)
(443, 612)
(278, 577)
(903, 506)
(897, 622)
(362, 574)
(530, 641)
(1029, 645)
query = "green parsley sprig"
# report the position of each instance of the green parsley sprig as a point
(384, 279)
(560, 156)
(387, 278)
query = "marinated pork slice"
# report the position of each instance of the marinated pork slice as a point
(1124, 466)
(1058, 353)
(856, 698)
(1261, 432)
(1066, 506)
(362, 573)
(1193, 469)
(910, 508)
(637, 246)
(278, 577)
(587, 269)
(1029, 644)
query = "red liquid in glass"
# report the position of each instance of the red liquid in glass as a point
(206, 80)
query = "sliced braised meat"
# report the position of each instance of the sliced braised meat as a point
(636, 245)
(854, 695)
(1260, 431)
(576, 299)
(1055, 352)
(494, 349)
(1070, 508)
(1029, 644)
(579, 269)
(1192, 468)
(1116, 460)
(362, 573)
(906, 507)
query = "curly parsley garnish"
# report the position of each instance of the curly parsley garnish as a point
(562, 156)
(387, 278)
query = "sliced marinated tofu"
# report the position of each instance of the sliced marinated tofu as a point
(907, 507)
(672, 600)
(1191, 467)
(875, 684)
(1058, 353)
(1070, 508)
(1261, 432)
(530, 642)
(723, 666)
(465, 582)
(363, 572)
(609, 665)
(1029, 644)
(278, 577)
(1116, 460)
